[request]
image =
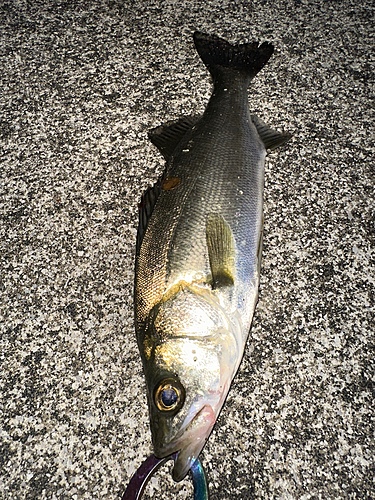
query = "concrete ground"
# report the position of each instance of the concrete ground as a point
(81, 84)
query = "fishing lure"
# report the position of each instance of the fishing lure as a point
(138, 482)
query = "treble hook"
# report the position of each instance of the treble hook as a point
(139, 480)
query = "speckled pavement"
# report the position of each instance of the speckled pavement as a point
(81, 83)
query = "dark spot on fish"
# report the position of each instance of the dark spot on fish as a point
(170, 183)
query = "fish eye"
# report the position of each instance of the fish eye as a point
(169, 395)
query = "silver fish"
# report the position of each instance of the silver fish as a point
(198, 253)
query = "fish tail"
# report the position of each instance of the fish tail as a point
(221, 57)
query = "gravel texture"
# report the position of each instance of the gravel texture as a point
(81, 83)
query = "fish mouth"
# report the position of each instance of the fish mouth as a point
(189, 442)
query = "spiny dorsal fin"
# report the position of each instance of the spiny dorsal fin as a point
(167, 136)
(270, 138)
(146, 206)
(221, 251)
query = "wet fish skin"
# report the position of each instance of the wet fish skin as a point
(198, 253)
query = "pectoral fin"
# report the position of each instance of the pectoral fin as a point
(270, 138)
(221, 251)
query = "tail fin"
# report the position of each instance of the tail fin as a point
(219, 55)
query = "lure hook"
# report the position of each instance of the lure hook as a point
(138, 482)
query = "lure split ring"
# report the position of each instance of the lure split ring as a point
(139, 480)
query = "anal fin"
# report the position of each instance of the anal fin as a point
(270, 138)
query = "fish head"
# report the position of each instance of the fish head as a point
(183, 406)
(188, 375)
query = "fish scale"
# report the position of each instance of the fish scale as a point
(209, 170)
(187, 247)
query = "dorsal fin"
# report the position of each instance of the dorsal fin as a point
(270, 138)
(221, 251)
(146, 207)
(167, 136)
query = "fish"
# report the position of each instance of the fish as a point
(198, 252)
